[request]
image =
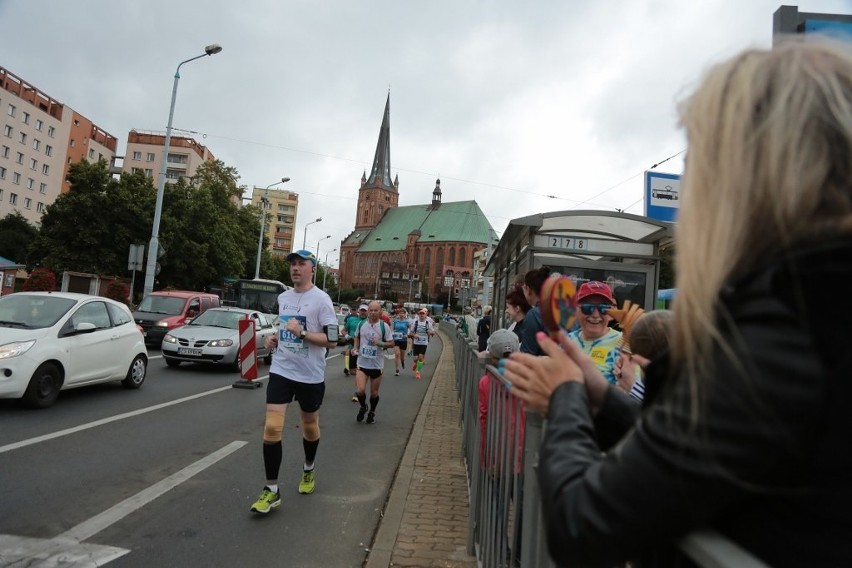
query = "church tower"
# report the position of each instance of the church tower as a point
(378, 193)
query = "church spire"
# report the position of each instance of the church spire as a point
(380, 174)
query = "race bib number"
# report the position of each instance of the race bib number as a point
(289, 341)
(368, 351)
(398, 335)
(599, 355)
(421, 338)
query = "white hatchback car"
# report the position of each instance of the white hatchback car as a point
(51, 341)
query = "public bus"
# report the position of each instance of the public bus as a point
(433, 309)
(258, 294)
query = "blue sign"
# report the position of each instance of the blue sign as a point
(831, 28)
(662, 196)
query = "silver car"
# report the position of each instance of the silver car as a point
(214, 337)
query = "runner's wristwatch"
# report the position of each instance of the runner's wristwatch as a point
(303, 333)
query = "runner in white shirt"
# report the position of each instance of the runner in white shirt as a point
(298, 370)
(420, 331)
(372, 338)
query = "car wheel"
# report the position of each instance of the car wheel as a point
(237, 366)
(136, 373)
(44, 387)
(171, 362)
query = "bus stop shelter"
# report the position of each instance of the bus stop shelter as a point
(620, 249)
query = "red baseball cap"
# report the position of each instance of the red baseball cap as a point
(594, 288)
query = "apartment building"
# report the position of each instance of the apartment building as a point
(41, 137)
(145, 153)
(280, 217)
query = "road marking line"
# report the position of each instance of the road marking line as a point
(96, 524)
(116, 418)
(22, 552)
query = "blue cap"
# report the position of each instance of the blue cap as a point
(305, 254)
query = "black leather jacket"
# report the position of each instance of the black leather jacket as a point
(767, 462)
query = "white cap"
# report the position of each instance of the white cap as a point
(363, 307)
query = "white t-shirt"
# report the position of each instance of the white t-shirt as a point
(421, 330)
(295, 358)
(369, 351)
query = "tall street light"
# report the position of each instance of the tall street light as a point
(318, 253)
(325, 270)
(305, 236)
(154, 244)
(264, 204)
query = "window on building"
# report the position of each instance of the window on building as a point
(33, 164)
(50, 131)
(39, 124)
(36, 144)
(134, 170)
(42, 188)
(13, 198)
(28, 203)
(19, 158)
(91, 153)
(2, 173)
(73, 143)
(5, 152)
(25, 117)
(40, 207)
(137, 155)
(45, 169)
(7, 131)
(30, 183)
(452, 254)
(149, 172)
(150, 157)
(48, 150)
(1, 194)
(16, 178)
(462, 260)
(11, 110)
(22, 137)
(178, 158)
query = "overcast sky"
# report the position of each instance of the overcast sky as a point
(508, 102)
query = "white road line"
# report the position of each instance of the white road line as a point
(96, 524)
(116, 418)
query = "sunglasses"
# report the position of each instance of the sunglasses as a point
(589, 309)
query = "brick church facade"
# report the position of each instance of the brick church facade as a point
(414, 253)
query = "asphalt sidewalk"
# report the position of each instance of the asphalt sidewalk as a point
(425, 522)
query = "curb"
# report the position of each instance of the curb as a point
(386, 536)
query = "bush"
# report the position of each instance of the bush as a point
(40, 280)
(118, 291)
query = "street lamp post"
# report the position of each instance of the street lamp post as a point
(325, 270)
(318, 253)
(154, 244)
(305, 237)
(264, 204)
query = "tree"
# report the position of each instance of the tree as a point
(91, 227)
(205, 234)
(16, 237)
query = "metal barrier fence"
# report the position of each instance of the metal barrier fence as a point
(500, 446)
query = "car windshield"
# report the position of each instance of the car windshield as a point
(168, 305)
(32, 311)
(219, 318)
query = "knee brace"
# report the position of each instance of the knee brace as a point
(311, 430)
(274, 426)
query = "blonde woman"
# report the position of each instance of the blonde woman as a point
(750, 434)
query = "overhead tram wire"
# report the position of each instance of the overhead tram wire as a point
(576, 202)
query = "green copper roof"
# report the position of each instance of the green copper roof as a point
(450, 222)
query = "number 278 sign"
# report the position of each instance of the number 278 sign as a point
(571, 243)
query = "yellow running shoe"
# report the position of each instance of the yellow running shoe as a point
(308, 482)
(267, 501)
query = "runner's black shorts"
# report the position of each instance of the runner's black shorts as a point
(281, 390)
(353, 362)
(401, 344)
(371, 373)
(419, 349)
